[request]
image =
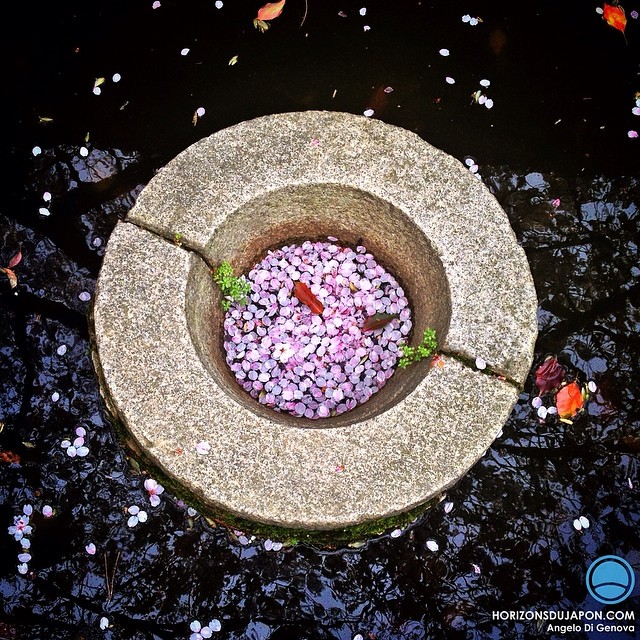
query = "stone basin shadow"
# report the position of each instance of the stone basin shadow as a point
(313, 212)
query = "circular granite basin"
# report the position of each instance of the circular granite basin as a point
(265, 183)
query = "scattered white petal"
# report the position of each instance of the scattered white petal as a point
(23, 568)
(396, 533)
(366, 28)
(192, 513)
(200, 111)
(243, 540)
(36, 151)
(450, 80)
(195, 626)
(536, 403)
(46, 196)
(551, 411)
(185, 51)
(142, 516)
(215, 624)
(65, 444)
(466, 17)
(474, 169)
(268, 544)
(43, 211)
(61, 350)
(542, 412)
(485, 83)
(78, 442)
(91, 549)
(134, 510)
(81, 431)
(358, 636)
(577, 525)
(27, 509)
(85, 296)
(636, 111)
(432, 545)
(97, 91)
(156, 4)
(97, 242)
(202, 448)
(584, 522)
(276, 546)
(599, 10)
(480, 362)
(469, 161)
(82, 451)
(629, 483)
(368, 112)
(482, 98)
(592, 386)
(26, 543)
(388, 89)
(71, 452)
(104, 621)
(489, 103)
(219, 4)
(84, 152)
(363, 11)
(24, 557)
(476, 568)
(448, 506)
(632, 134)
(55, 396)
(473, 22)
(47, 511)
(444, 52)
(132, 521)
(116, 77)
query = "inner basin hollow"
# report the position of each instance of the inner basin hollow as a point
(351, 218)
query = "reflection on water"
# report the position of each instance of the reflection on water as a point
(507, 543)
(550, 149)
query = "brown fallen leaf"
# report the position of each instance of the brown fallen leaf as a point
(614, 16)
(378, 320)
(569, 400)
(270, 11)
(13, 279)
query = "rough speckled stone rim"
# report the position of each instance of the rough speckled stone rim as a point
(163, 390)
(284, 216)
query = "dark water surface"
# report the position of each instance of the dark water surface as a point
(555, 151)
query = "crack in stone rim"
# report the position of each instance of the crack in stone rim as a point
(482, 432)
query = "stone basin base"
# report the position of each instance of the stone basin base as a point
(290, 177)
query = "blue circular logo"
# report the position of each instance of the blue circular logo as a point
(610, 579)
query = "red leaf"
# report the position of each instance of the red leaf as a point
(569, 400)
(378, 320)
(549, 375)
(303, 293)
(15, 260)
(271, 10)
(9, 457)
(614, 17)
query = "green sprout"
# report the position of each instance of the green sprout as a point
(233, 289)
(425, 349)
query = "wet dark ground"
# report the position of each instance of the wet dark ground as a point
(554, 150)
